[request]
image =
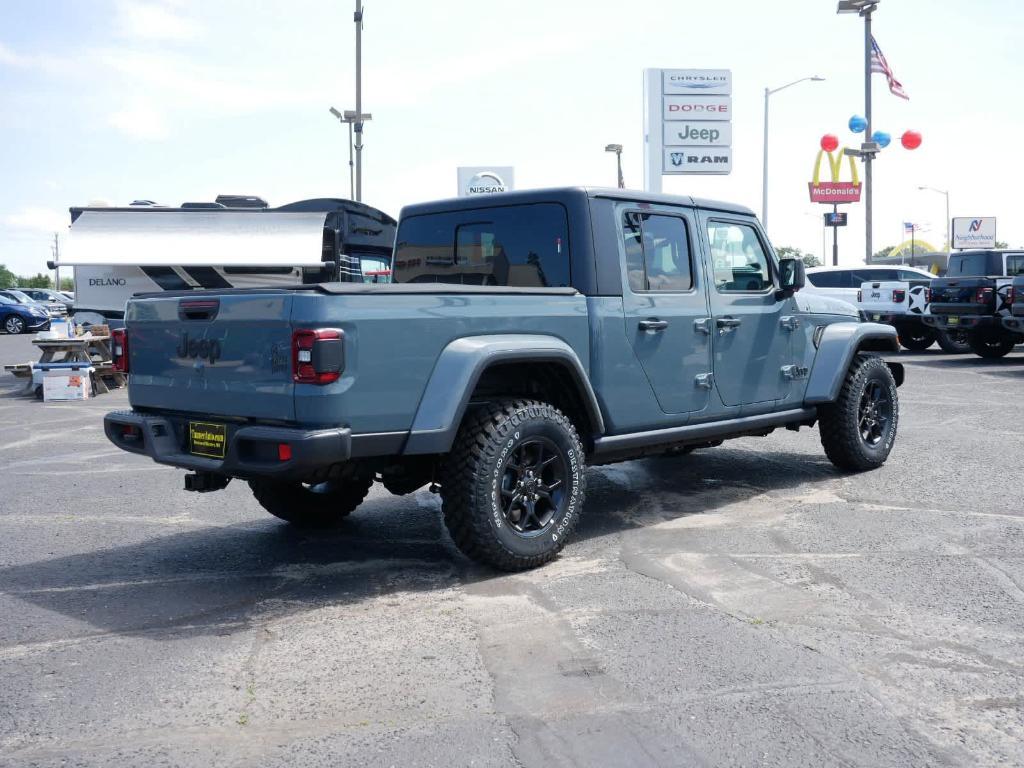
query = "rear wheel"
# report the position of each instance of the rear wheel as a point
(312, 505)
(14, 324)
(916, 337)
(990, 344)
(858, 430)
(513, 485)
(954, 342)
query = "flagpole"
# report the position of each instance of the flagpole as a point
(868, 252)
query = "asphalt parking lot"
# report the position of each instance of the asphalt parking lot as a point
(744, 605)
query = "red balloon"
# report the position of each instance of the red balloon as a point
(830, 143)
(911, 139)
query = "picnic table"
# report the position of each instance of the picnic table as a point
(91, 350)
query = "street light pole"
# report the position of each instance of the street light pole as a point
(358, 18)
(764, 171)
(949, 221)
(348, 117)
(617, 149)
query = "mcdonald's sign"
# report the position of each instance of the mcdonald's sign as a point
(835, 191)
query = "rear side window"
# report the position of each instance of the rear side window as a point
(657, 252)
(977, 264)
(1014, 264)
(519, 246)
(873, 276)
(905, 274)
(739, 259)
(837, 279)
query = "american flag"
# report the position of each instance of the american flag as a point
(910, 227)
(879, 64)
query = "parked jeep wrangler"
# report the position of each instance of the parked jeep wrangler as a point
(904, 303)
(1015, 298)
(974, 297)
(525, 335)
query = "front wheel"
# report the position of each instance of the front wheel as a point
(858, 430)
(954, 342)
(14, 324)
(513, 485)
(312, 505)
(990, 344)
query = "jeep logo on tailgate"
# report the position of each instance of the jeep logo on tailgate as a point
(203, 349)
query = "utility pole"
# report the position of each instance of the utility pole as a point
(55, 249)
(358, 18)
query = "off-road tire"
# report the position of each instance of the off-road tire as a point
(839, 423)
(312, 506)
(955, 343)
(990, 345)
(14, 324)
(917, 339)
(474, 474)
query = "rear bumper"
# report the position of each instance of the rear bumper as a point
(250, 451)
(961, 322)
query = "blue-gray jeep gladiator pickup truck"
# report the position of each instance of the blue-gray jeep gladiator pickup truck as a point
(525, 335)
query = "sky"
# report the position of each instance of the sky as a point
(177, 100)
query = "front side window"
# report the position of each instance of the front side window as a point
(657, 252)
(835, 279)
(739, 260)
(520, 245)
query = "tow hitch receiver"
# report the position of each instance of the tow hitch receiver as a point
(204, 482)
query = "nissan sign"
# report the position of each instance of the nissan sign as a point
(484, 180)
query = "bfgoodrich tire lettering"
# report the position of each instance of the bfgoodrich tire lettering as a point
(506, 451)
(858, 430)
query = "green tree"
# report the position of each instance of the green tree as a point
(1001, 244)
(810, 260)
(67, 284)
(788, 252)
(7, 278)
(39, 280)
(884, 252)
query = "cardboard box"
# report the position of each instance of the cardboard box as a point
(67, 384)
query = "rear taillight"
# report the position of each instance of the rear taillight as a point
(983, 296)
(119, 349)
(318, 356)
(899, 295)
(860, 295)
(927, 295)
(1011, 294)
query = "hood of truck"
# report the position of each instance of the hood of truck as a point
(816, 304)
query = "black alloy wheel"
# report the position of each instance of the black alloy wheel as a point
(533, 486)
(874, 413)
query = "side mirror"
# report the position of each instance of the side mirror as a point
(791, 277)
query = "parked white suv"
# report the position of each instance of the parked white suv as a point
(844, 282)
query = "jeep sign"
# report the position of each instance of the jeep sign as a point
(484, 180)
(687, 123)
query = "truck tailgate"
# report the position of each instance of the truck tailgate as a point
(215, 354)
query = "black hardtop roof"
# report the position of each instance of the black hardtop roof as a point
(565, 194)
(997, 251)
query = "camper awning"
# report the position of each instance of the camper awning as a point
(182, 238)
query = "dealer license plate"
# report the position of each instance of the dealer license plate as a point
(953, 320)
(205, 439)
(876, 317)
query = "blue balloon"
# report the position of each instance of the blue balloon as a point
(881, 138)
(858, 124)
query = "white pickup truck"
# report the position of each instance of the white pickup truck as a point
(903, 304)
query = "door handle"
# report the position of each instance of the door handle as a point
(653, 324)
(728, 324)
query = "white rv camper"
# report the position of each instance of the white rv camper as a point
(119, 252)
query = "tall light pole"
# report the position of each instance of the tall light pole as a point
(868, 149)
(949, 221)
(348, 117)
(359, 116)
(617, 149)
(764, 172)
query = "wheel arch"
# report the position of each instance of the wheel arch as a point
(499, 366)
(837, 345)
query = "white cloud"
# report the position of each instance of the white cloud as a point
(154, 21)
(36, 219)
(140, 122)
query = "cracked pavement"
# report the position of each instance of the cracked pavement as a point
(743, 605)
